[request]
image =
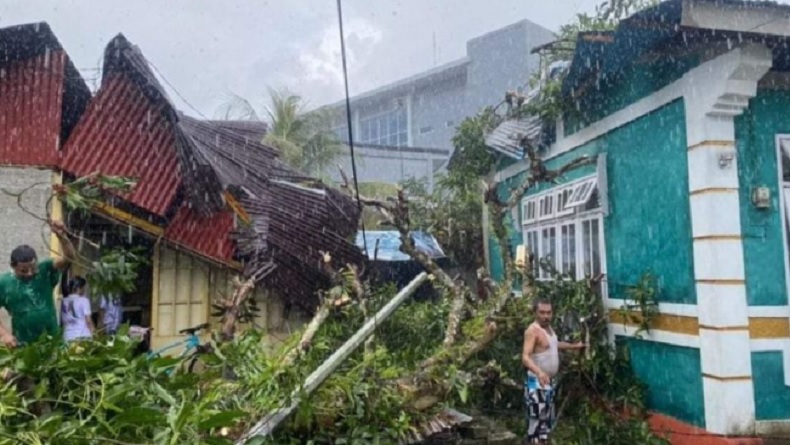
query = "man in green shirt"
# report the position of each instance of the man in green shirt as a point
(26, 292)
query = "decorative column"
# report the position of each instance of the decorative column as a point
(714, 94)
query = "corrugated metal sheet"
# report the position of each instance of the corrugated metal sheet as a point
(41, 95)
(302, 223)
(443, 421)
(252, 130)
(389, 243)
(123, 133)
(505, 138)
(31, 102)
(131, 128)
(207, 235)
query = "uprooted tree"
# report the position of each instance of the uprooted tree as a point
(460, 351)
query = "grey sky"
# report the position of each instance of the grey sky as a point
(209, 48)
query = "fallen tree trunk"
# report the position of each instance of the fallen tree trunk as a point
(233, 309)
(307, 337)
(268, 424)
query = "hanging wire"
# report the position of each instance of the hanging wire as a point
(348, 119)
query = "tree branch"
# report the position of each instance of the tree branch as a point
(233, 308)
(396, 212)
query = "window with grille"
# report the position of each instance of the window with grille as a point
(564, 228)
(783, 152)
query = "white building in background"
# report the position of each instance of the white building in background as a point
(405, 129)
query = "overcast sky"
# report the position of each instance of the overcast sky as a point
(208, 49)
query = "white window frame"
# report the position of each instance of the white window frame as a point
(546, 211)
(379, 138)
(575, 191)
(563, 197)
(582, 192)
(526, 217)
(783, 144)
(567, 215)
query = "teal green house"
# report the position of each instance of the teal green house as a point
(686, 109)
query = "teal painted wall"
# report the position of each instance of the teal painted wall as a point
(768, 115)
(504, 189)
(636, 82)
(673, 375)
(771, 396)
(649, 225)
(496, 268)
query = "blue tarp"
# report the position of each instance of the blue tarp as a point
(389, 245)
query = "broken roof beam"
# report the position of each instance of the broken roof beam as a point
(269, 423)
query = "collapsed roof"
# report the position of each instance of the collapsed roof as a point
(217, 189)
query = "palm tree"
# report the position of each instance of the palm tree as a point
(305, 139)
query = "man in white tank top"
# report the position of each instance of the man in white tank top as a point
(540, 356)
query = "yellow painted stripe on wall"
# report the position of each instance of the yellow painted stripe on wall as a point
(711, 190)
(737, 378)
(759, 327)
(713, 144)
(663, 322)
(769, 327)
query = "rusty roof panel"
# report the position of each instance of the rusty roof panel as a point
(123, 133)
(207, 235)
(131, 128)
(41, 95)
(31, 95)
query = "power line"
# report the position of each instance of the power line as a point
(183, 99)
(348, 118)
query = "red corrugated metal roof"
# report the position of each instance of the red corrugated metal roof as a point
(31, 103)
(123, 133)
(209, 236)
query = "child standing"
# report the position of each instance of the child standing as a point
(76, 312)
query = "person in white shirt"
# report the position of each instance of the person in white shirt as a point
(110, 313)
(75, 312)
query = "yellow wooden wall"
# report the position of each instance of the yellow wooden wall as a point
(184, 286)
(181, 294)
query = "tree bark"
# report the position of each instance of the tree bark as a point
(309, 333)
(233, 308)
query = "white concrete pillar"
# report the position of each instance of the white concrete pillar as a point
(716, 92)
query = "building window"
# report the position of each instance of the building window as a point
(390, 129)
(563, 227)
(449, 124)
(341, 132)
(784, 156)
(426, 130)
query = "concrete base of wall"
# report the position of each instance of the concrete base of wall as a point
(681, 433)
(18, 226)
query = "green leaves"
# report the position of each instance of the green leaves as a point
(117, 270)
(93, 190)
(97, 391)
(221, 419)
(305, 140)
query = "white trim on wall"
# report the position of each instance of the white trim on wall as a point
(674, 91)
(782, 207)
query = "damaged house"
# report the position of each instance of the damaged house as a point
(210, 202)
(685, 109)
